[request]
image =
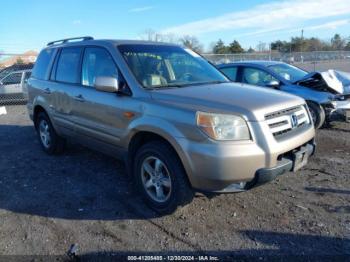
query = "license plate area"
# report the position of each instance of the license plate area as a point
(300, 158)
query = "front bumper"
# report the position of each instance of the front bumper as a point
(286, 164)
(229, 167)
(338, 109)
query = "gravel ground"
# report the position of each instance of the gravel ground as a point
(48, 203)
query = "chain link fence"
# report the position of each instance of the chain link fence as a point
(310, 61)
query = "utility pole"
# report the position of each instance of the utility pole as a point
(301, 46)
(302, 40)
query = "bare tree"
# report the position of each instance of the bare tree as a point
(152, 35)
(192, 43)
(149, 35)
(262, 47)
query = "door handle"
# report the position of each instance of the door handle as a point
(47, 91)
(79, 98)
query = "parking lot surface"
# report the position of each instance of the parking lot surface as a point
(48, 203)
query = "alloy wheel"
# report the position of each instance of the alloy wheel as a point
(156, 179)
(44, 131)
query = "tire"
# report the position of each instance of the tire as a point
(170, 170)
(53, 144)
(317, 114)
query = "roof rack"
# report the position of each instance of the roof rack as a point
(62, 41)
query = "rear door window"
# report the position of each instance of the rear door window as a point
(68, 66)
(231, 72)
(255, 76)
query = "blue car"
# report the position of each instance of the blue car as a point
(326, 93)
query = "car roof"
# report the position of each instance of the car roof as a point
(110, 42)
(262, 63)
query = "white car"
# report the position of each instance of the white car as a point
(13, 87)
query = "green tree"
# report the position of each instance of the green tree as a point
(235, 47)
(315, 44)
(347, 47)
(250, 50)
(281, 46)
(19, 61)
(337, 42)
(220, 47)
(298, 44)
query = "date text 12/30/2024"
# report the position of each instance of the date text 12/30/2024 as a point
(173, 258)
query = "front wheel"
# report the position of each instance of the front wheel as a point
(160, 178)
(317, 114)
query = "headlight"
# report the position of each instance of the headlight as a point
(222, 126)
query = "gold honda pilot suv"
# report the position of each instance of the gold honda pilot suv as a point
(176, 120)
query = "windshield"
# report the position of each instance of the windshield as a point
(288, 72)
(157, 66)
(4, 73)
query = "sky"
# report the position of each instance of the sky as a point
(29, 25)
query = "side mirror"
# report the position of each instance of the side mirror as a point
(106, 84)
(273, 84)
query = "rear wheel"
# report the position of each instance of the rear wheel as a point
(50, 141)
(317, 114)
(160, 177)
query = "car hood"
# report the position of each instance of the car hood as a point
(344, 78)
(333, 81)
(249, 101)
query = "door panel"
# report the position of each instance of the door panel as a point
(98, 116)
(65, 79)
(62, 105)
(99, 119)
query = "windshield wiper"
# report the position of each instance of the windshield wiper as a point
(161, 87)
(184, 85)
(207, 83)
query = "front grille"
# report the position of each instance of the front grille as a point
(287, 120)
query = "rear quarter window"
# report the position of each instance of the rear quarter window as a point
(230, 72)
(41, 66)
(68, 66)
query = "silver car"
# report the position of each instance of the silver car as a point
(13, 87)
(176, 120)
